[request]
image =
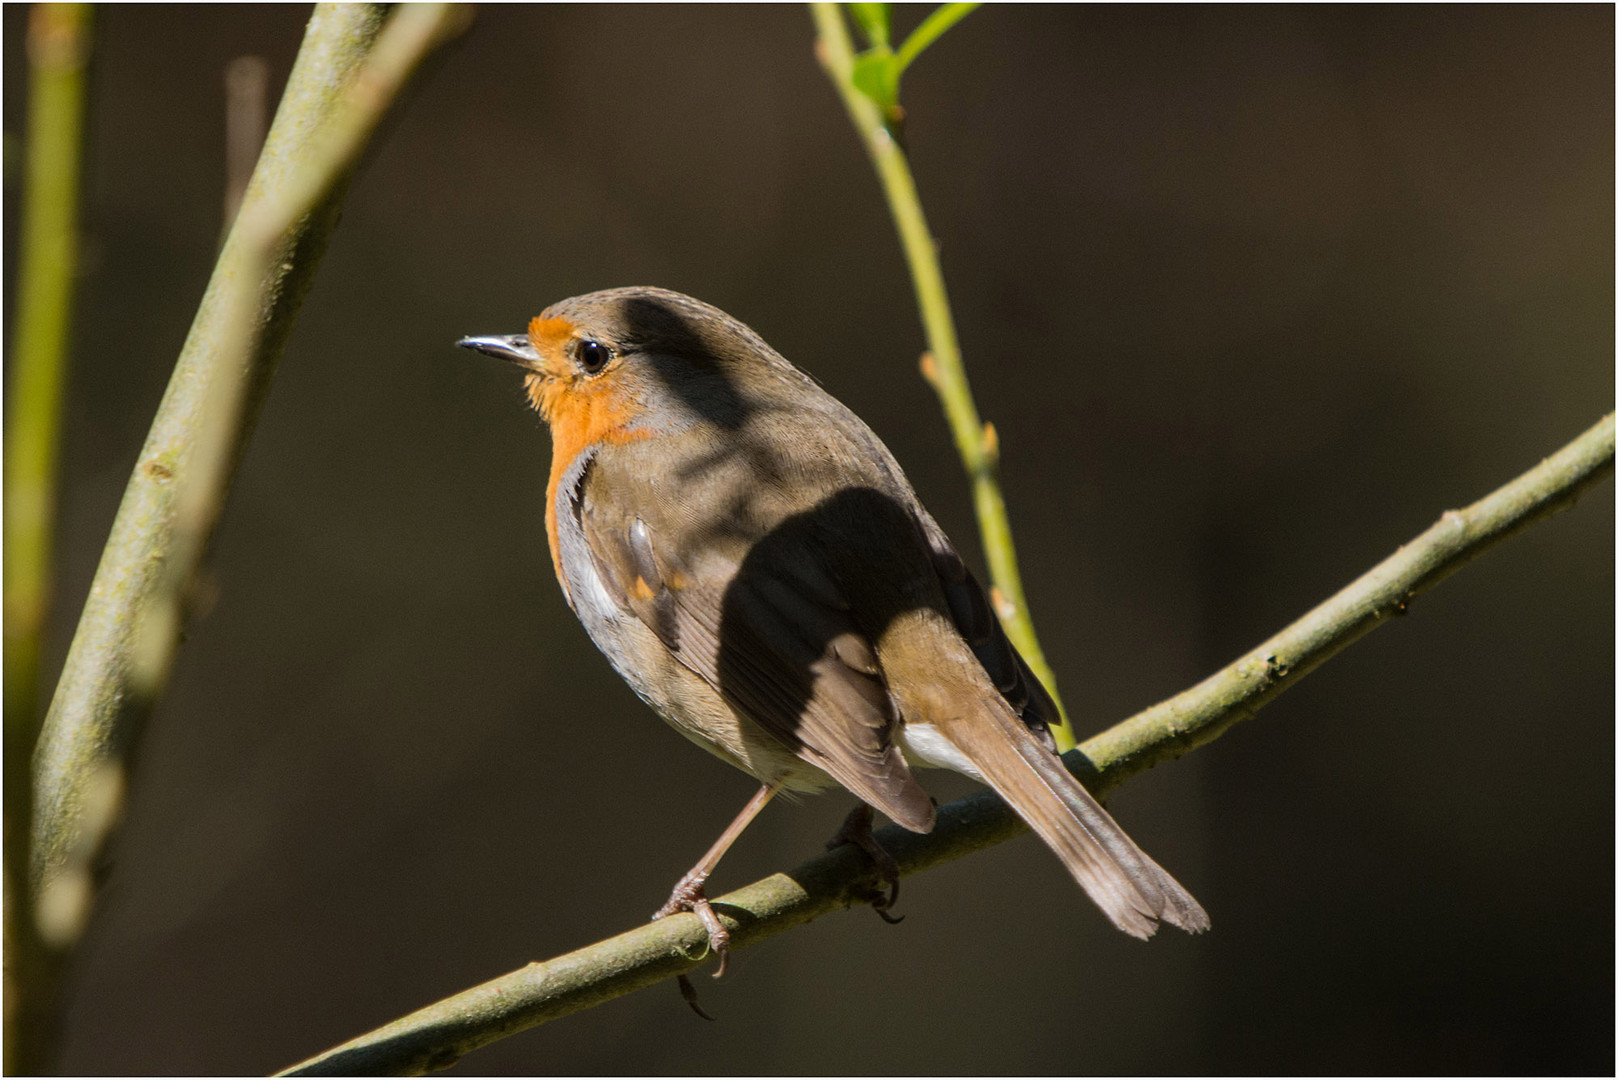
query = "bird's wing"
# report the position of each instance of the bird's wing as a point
(764, 621)
(977, 622)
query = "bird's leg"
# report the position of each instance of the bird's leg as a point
(690, 895)
(856, 830)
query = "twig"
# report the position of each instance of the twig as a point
(931, 29)
(58, 46)
(348, 71)
(436, 1036)
(942, 366)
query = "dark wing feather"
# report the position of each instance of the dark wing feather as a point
(771, 632)
(975, 619)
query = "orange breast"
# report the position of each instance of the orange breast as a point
(581, 412)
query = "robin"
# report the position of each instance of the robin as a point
(751, 559)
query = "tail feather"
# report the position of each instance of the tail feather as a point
(1130, 889)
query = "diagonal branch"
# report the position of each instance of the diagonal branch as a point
(349, 70)
(436, 1036)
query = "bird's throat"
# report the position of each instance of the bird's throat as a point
(581, 413)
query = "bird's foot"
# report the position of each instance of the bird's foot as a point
(690, 895)
(856, 830)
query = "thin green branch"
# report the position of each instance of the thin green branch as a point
(349, 69)
(976, 441)
(58, 46)
(931, 29)
(436, 1036)
(58, 43)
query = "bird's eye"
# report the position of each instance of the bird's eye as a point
(592, 356)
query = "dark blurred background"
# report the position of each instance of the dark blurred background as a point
(1251, 294)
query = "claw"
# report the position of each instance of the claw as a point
(689, 895)
(856, 830)
(689, 992)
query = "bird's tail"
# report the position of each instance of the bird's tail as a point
(1132, 890)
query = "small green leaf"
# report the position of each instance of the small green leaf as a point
(876, 75)
(873, 22)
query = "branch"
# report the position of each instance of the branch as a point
(942, 366)
(349, 70)
(58, 47)
(436, 1036)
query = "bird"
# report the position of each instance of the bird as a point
(751, 559)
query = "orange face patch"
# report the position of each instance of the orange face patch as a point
(551, 337)
(581, 411)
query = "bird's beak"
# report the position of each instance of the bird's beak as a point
(513, 347)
